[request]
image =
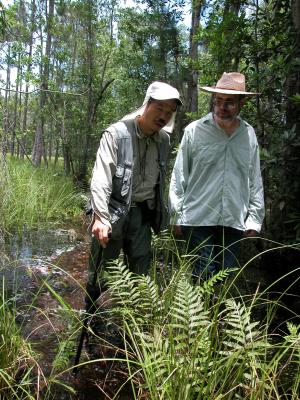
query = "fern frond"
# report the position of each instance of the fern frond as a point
(238, 318)
(294, 333)
(207, 286)
(135, 294)
(122, 283)
(188, 317)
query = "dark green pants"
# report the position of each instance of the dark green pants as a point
(135, 243)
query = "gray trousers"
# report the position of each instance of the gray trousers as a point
(135, 243)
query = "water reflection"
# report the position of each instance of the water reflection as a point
(37, 245)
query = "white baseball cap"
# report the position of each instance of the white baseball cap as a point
(158, 91)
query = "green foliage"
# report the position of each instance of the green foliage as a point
(187, 347)
(37, 196)
(2, 20)
(16, 356)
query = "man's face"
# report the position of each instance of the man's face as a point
(227, 106)
(157, 114)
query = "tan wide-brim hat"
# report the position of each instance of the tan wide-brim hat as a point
(230, 83)
(158, 91)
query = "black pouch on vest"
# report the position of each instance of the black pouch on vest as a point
(159, 218)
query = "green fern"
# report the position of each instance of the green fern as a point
(187, 349)
(175, 345)
(208, 286)
(184, 348)
(243, 347)
(135, 294)
(241, 334)
(187, 315)
(122, 283)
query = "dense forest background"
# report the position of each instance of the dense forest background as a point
(68, 68)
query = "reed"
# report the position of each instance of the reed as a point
(16, 356)
(35, 196)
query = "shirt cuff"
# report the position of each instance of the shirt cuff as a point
(103, 220)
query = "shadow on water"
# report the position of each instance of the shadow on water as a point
(45, 273)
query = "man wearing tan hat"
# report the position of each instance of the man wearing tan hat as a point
(127, 184)
(216, 191)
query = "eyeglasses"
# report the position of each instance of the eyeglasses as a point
(227, 103)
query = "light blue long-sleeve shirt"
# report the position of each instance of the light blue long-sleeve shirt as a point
(216, 179)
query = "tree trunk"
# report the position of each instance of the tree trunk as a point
(82, 170)
(6, 115)
(29, 65)
(15, 114)
(232, 58)
(192, 81)
(191, 102)
(39, 146)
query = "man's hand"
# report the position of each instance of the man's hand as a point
(250, 233)
(101, 232)
(176, 229)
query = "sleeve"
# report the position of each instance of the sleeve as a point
(179, 179)
(256, 209)
(103, 172)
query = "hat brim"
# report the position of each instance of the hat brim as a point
(226, 91)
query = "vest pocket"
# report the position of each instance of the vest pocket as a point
(126, 179)
(122, 179)
(118, 213)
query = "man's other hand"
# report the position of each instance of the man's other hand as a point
(250, 233)
(176, 229)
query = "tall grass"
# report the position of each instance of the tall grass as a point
(16, 356)
(36, 196)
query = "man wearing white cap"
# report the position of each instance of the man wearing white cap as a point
(216, 191)
(127, 184)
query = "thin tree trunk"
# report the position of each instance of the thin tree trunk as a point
(231, 61)
(15, 114)
(191, 102)
(19, 112)
(39, 145)
(29, 65)
(82, 170)
(192, 92)
(56, 152)
(6, 115)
